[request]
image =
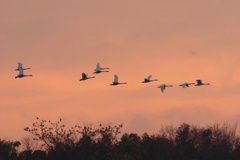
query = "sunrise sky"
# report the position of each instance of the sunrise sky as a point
(175, 41)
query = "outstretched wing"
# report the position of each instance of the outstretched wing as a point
(149, 77)
(19, 65)
(84, 76)
(199, 81)
(98, 68)
(162, 87)
(115, 78)
(20, 71)
(184, 85)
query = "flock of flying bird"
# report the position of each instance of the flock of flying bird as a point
(115, 82)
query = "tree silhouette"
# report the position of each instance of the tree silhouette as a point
(129, 147)
(77, 141)
(157, 147)
(103, 142)
(8, 149)
(184, 142)
(29, 143)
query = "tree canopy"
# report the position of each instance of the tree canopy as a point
(106, 142)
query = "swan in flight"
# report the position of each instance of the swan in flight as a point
(21, 74)
(199, 83)
(184, 85)
(85, 77)
(115, 82)
(148, 79)
(99, 69)
(20, 67)
(163, 87)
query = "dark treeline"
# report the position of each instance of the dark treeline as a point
(185, 142)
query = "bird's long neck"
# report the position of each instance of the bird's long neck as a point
(97, 72)
(22, 69)
(104, 68)
(206, 84)
(91, 77)
(122, 83)
(154, 80)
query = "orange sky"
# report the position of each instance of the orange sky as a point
(175, 41)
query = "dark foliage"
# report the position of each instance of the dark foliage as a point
(8, 150)
(187, 142)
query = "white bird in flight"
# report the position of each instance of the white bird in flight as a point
(199, 83)
(99, 69)
(163, 87)
(85, 77)
(20, 69)
(148, 79)
(184, 85)
(115, 82)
